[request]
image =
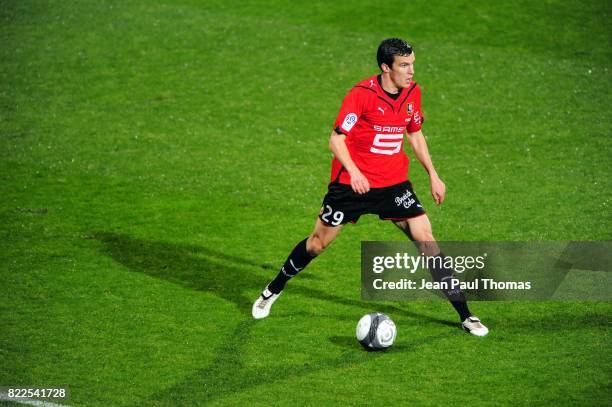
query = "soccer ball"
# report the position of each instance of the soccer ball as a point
(376, 331)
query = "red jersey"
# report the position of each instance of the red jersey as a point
(374, 126)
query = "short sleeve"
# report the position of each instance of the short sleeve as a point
(417, 117)
(350, 112)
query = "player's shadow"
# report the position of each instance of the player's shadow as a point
(227, 374)
(190, 266)
(229, 277)
(232, 278)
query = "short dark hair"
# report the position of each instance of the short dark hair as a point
(389, 48)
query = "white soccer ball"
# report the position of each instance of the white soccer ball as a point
(376, 331)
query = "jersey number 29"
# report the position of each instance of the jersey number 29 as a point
(336, 216)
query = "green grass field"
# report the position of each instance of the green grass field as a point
(160, 159)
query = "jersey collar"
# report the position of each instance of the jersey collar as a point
(383, 95)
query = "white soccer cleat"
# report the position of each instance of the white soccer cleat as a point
(261, 307)
(474, 326)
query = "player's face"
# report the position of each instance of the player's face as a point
(402, 70)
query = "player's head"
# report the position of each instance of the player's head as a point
(396, 58)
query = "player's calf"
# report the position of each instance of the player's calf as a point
(296, 262)
(301, 255)
(298, 259)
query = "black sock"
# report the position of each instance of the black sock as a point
(297, 260)
(455, 296)
(462, 309)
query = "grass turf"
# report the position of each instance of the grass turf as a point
(159, 160)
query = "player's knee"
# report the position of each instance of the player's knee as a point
(316, 245)
(428, 236)
(423, 235)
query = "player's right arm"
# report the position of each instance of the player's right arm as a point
(350, 113)
(359, 182)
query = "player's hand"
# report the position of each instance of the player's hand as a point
(359, 182)
(438, 189)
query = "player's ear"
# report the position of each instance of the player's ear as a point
(385, 67)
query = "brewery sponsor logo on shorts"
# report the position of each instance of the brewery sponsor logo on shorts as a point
(405, 200)
(349, 121)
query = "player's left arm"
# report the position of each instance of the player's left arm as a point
(419, 146)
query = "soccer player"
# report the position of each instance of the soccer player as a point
(369, 173)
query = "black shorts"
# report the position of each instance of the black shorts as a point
(396, 202)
